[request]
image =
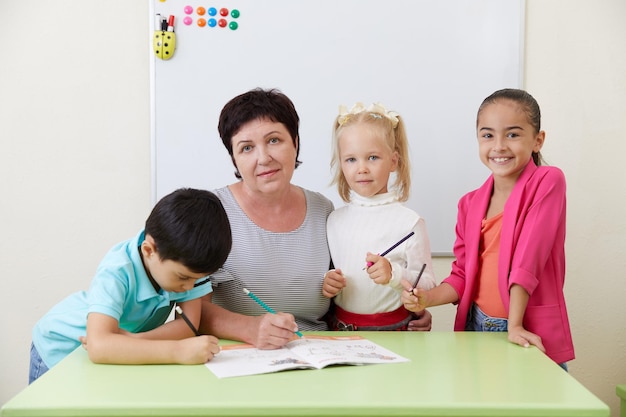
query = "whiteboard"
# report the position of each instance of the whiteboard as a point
(433, 61)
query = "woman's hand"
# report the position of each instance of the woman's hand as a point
(422, 323)
(275, 330)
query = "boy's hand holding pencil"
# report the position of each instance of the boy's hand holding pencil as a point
(198, 349)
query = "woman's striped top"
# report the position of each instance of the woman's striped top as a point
(285, 270)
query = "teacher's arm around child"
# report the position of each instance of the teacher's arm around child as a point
(509, 270)
(122, 318)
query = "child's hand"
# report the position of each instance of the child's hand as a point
(334, 281)
(413, 299)
(197, 350)
(524, 338)
(379, 268)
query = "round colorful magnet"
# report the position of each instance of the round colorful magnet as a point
(211, 22)
(187, 20)
(222, 23)
(212, 11)
(235, 13)
(233, 25)
(188, 10)
(224, 11)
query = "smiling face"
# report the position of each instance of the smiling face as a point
(265, 155)
(506, 139)
(366, 160)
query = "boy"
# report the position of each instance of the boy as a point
(123, 314)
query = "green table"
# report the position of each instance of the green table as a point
(621, 393)
(450, 374)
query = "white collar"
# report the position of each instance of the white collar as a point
(376, 200)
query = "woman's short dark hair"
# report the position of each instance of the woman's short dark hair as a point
(191, 227)
(258, 104)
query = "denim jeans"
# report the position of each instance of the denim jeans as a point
(37, 367)
(477, 321)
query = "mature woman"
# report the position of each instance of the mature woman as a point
(279, 250)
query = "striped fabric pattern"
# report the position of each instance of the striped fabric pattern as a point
(285, 270)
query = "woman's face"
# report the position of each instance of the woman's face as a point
(265, 155)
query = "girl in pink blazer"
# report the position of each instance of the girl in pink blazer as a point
(509, 270)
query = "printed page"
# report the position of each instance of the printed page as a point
(240, 360)
(309, 352)
(323, 351)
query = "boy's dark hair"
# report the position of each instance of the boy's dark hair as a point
(191, 227)
(258, 104)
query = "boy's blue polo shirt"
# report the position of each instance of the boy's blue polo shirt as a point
(120, 289)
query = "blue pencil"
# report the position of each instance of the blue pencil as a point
(262, 304)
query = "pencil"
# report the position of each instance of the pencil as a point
(398, 243)
(189, 323)
(262, 304)
(418, 278)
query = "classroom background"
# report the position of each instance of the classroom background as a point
(75, 161)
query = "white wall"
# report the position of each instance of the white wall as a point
(75, 161)
(74, 154)
(576, 67)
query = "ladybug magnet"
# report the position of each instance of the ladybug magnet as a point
(164, 40)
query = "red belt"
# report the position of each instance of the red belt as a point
(352, 321)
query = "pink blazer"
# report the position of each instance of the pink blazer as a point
(532, 254)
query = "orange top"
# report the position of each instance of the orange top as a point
(487, 294)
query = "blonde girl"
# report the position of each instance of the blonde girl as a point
(372, 173)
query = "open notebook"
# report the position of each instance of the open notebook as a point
(309, 352)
